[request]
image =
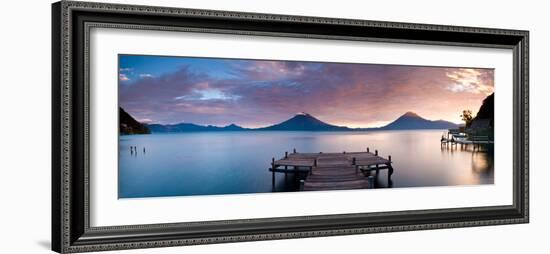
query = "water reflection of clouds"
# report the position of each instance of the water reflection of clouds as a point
(481, 159)
(481, 163)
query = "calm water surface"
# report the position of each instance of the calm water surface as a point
(207, 163)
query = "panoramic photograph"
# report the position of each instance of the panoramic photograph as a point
(216, 126)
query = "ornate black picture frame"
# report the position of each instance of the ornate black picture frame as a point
(71, 230)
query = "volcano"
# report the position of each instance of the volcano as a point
(304, 122)
(412, 121)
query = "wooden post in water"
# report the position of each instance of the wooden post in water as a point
(273, 173)
(294, 150)
(390, 171)
(286, 155)
(377, 169)
(353, 162)
(286, 170)
(370, 179)
(368, 150)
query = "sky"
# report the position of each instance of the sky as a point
(258, 93)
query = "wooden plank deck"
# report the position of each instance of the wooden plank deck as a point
(333, 171)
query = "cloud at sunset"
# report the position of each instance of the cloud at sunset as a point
(123, 77)
(471, 81)
(254, 93)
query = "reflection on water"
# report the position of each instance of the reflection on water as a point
(481, 163)
(237, 162)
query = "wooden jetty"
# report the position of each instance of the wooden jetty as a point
(454, 138)
(333, 171)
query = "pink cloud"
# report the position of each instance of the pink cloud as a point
(471, 81)
(123, 77)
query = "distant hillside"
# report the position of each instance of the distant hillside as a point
(487, 109)
(129, 125)
(304, 122)
(483, 123)
(412, 121)
(307, 122)
(190, 127)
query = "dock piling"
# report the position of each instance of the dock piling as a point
(370, 179)
(376, 152)
(368, 150)
(273, 173)
(390, 172)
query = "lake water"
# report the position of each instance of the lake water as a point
(206, 163)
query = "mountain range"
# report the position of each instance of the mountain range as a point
(188, 127)
(306, 122)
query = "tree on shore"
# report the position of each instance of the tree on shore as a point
(467, 117)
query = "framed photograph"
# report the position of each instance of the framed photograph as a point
(181, 126)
